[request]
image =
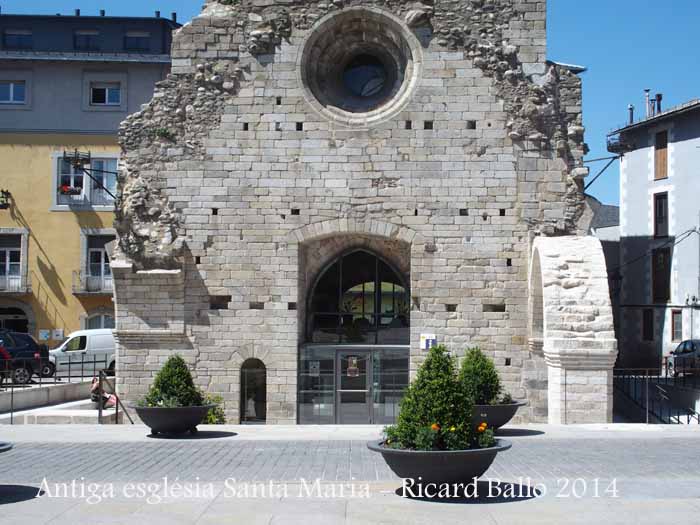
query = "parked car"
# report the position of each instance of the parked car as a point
(685, 358)
(27, 357)
(85, 352)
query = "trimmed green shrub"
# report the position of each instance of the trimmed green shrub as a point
(173, 386)
(435, 413)
(479, 378)
(216, 415)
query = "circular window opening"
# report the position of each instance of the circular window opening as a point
(359, 65)
(365, 76)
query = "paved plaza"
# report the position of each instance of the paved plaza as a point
(234, 474)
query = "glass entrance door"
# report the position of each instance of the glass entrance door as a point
(353, 391)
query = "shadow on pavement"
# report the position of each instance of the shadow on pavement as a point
(518, 432)
(17, 493)
(485, 493)
(201, 434)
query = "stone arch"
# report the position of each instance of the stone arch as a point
(569, 287)
(25, 307)
(253, 391)
(372, 227)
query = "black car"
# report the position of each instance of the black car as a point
(23, 357)
(685, 359)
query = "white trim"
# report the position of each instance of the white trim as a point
(24, 250)
(15, 76)
(96, 77)
(87, 186)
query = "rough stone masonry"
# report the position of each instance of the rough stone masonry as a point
(256, 165)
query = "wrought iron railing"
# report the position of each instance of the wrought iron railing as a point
(96, 284)
(16, 284)
(651, 391)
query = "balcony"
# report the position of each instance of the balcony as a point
(15, 285)
(84, 284)
(71, 197)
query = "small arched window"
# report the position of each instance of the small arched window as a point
(359, 299)
(253, 391)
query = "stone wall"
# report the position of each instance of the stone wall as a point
(237, 175)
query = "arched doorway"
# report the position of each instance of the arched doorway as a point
(354, 366)
(253, 392)
(14, 319)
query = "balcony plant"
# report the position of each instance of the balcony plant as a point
(173, 404)
(480, 381)
(65, 189)
(434, 439)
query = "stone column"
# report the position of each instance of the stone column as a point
(580, 380)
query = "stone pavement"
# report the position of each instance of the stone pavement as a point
(584, 474)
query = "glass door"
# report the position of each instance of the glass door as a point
(353, 391)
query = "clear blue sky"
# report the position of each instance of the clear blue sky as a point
(627, 45)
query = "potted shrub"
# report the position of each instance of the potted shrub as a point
(479, 379)
(434, 440)
(173, 404)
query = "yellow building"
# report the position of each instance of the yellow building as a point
(65, 85)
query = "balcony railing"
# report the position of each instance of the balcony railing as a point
(96, 198)
(84, 284)
(15, 284)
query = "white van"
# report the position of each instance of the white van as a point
(86, 352)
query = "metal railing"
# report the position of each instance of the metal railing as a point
(650, 390)
(16, 284)
(20, 375)
(86, 283)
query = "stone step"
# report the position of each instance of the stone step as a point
(75, 413)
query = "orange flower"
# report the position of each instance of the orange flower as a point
(482, 427)
(435, 427)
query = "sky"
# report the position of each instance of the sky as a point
(627, 46)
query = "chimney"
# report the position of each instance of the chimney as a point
(157, 14)
(173, 16)
(647, 103)
(630, 108)
(102, 12)
(77, 12)
(659, 98)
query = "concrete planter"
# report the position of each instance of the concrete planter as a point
(495, 416)
(438, 466)
(176, 420)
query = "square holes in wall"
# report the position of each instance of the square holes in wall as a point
(507, 361)
(502, 212)
(409, 124)
(300, 126)
(215, 211)
(471, 124)
(219, 302)
(509, 262)
(451, 307)
(278, 101)
(291, 306)
(197, 259)
(494, 308)
(463, 212)
(295, 211)
(428, 124)
(278, 126)
(245, 126)
(256, 306)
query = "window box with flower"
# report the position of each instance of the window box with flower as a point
(435, 440)
(70, 190)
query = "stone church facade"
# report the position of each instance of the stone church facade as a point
(319, 187)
